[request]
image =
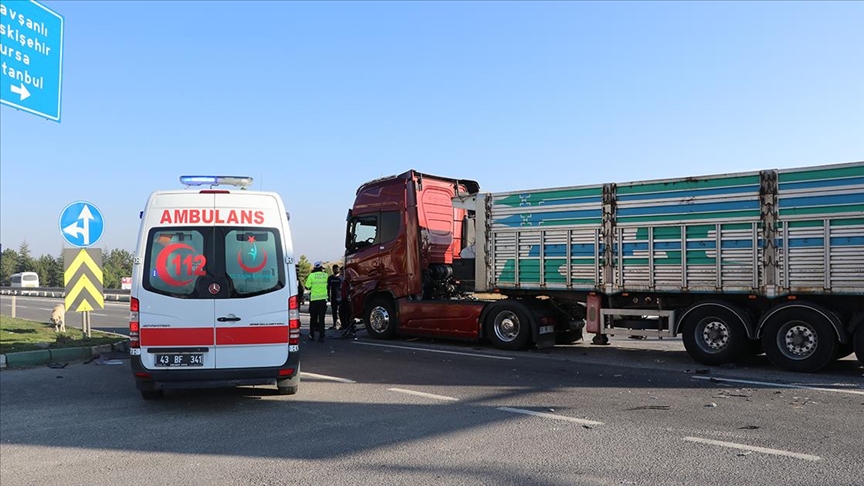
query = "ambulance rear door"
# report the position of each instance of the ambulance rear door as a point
(176, 314)
(252, 322)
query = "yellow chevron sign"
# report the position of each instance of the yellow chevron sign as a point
(83, 279)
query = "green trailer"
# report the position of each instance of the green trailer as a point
(736, 264)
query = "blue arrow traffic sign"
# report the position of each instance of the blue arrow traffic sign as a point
(81, 224)
(31, 57)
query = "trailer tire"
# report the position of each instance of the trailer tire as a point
(508, 326)
(799, 338)
(713, 334)
(844, 350)
(859, 344)
(380, 318)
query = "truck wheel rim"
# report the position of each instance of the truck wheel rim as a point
(507, 326)
(379, 319)
(715, 335)
(797, 340)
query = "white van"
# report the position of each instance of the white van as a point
(213, 300)
(24, 280)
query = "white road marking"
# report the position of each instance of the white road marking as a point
(763, 450)
(781, 385)
(325, 377)
(550, 416)
(408, 348)
(421, 394)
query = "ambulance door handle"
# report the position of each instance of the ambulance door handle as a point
(228, 318)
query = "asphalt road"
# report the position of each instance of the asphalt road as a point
(416, 411)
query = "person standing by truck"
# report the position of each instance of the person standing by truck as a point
(316, 282)
(334, 292)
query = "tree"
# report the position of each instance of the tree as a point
(50, 271)
(304, 268)
(8, 265)
(25, 261)
(116, 264)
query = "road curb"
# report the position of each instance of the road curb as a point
(44, 356)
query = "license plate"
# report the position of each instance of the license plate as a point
(186, 359)
(547, 329)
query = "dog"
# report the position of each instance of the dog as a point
(58, 318)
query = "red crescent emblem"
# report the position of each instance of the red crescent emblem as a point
(251, 269)
(162, 264)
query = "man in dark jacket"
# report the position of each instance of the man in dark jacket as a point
(334, 291)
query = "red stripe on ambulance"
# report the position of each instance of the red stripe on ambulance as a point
(252, 335)
(181, 336)
(211, 216)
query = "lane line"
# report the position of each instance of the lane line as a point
(408, 348)
(325, 377)
(422, 394)
(781, 385)
(550, 416)
(763, 450)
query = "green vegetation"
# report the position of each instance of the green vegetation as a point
(116, 264)
(23, 335)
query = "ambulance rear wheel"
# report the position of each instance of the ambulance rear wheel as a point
(380, 318)
(289, 386)
(152, 394)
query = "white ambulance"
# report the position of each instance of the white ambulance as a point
(214, 290)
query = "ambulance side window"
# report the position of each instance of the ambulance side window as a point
(253, 260)
(175, 259)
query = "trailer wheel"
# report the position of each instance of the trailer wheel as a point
(799, 338)
(714, 334)
(859, 344)
(380, 318)
(508, 326)
(844, 350)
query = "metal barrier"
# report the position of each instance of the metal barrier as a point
(116, 295)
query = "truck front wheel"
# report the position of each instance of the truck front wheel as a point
(508, 326)
(380, 318)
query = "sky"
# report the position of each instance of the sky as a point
(314, 99)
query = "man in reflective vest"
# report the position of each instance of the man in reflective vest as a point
(316, 283)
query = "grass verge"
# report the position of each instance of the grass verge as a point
(23, 335)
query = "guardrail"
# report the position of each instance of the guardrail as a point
(59, 292)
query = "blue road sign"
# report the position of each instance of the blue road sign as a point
(81, 224)
(31, 57)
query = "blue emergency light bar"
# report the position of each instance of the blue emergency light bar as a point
(201, 180)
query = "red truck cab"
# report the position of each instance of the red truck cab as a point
(407, 270)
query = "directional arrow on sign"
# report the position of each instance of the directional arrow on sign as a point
(85, 217)
(20, 91)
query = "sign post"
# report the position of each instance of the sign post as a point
(81, 225)
(31, 62)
